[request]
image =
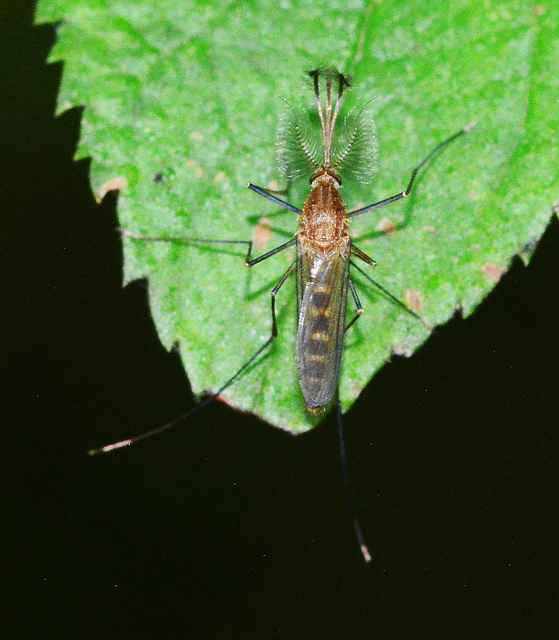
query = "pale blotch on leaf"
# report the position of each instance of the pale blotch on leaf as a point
(402, 350)
(261, 233)
(413, 299)
(120, 182)
(493, 271)
(386, 226)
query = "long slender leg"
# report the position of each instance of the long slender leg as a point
(273, 297)
(267, 194)
(182, 239)
(269, 254)
(347, 485)
(249, 261)
(404, 194)
(363, 256)
(392, 297)
(186, 416)
(357, 304)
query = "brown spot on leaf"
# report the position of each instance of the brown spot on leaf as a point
(413, 299)
(493, 271)
(386, 225)
(261, 233)
(197, 136)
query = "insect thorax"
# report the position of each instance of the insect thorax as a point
(324, 223)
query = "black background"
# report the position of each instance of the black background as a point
(229, 528)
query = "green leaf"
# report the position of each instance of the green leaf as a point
(188, 91)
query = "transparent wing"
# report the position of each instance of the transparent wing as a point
(322, 284)
(299, 145)
(354, 149)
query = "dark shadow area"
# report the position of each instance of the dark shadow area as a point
(230, 528)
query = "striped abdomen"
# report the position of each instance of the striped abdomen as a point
(322, 282)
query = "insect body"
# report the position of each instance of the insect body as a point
(323, 250)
